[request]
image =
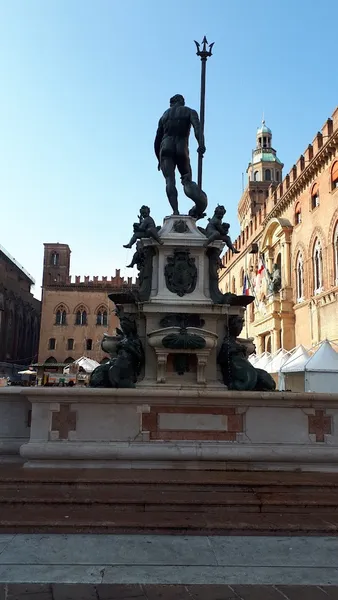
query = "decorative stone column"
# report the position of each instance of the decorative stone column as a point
(287, 263)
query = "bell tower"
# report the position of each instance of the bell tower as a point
(265, 165)
(56, 265)
(264, 170)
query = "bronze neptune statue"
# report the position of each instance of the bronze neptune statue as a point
(172, 150)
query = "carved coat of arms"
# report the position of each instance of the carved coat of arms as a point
(180, 272)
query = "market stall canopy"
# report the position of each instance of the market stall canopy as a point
(87, 364)
(27, 372)
(263, 360)
(297, 361)
(277, 361)
(325, 359)
(321, 370)
(253, 358)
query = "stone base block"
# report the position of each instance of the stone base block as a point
(196, 456)
(15, 416)
(175, 429)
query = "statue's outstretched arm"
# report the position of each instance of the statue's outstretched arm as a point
(158, 139)
(195, 122)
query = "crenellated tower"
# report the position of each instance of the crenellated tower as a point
(56, 264)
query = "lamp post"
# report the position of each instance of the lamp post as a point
(204, 51)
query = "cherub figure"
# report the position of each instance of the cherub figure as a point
(145, 228)
(216, 230)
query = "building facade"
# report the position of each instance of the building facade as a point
(19, 314)
(290, 222)
(75, 314)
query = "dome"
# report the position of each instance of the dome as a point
(264, 129)
(261, 156)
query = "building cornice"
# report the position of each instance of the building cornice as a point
(304, 178)
(87, 287)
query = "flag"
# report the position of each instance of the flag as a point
(260, 286)
(246, 286)
(259, 279)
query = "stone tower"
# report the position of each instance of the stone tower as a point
(264, 170)
(56, 264)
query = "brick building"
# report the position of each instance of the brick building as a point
(75, 314)
(19, 314)
(291, 222)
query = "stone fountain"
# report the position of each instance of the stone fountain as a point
(178, 391)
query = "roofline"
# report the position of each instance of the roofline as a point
(17, 264)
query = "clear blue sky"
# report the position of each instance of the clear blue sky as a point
(83, 84)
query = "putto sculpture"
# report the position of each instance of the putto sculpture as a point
(217, 230)
(172, 150)
(145, 228)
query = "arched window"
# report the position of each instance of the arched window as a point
(50, 361)
(81, 316)
(335, 253)
(315, 196)
(317, 267)
(89, 344)
(69, 360)
(70, 344)
(277, 175)
(61, 315)
(334, 176)
(233, 286)
(268, 344)
(242, 278)
(300, 277)
(252, 312)
(54, 259)
(256, 176)
(51, 343)
(267, 175)
(102, 316)
(298, 214)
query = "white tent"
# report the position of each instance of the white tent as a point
(253, 359)
(263, 360)
(277, 361)
(297, 361)
(291, 374)
(321, 370)
(87, 364)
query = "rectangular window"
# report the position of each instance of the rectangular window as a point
(70, 344)
(315, 200)
(51, 344)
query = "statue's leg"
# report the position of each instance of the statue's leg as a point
(211, 238)
(153, 233)
(191, 189)
(133, 260)
(230, 245)
(132, 241)
(168, 170)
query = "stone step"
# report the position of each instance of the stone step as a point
(90, 494)
(172, 477)
(167, 501)
(55, 518)
(158, 499)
